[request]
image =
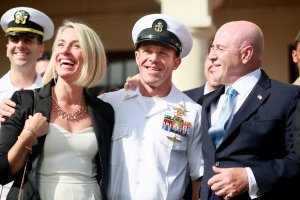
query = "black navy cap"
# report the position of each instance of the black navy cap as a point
(28, 21)
(163, 29)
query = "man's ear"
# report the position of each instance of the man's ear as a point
(247, 53)
(42, 49)
(177, 62)
(137, 56)
(294, 56)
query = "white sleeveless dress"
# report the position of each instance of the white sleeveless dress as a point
(68, 170)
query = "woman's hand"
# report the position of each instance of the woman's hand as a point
(37, 124)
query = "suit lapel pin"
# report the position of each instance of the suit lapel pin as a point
(259, 97)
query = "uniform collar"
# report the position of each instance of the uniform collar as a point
(173, 101)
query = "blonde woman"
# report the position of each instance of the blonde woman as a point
(68, 139)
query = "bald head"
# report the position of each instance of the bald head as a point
(243, 33)
(236, 51)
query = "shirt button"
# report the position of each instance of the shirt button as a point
(217, 164)
(258, 194)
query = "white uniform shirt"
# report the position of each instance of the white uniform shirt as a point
(149, 160)
(6, 91)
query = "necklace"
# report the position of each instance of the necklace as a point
(78, 115)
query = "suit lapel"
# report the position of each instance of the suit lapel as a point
(207, 102)
(195, 94)
(198, 93)
(255, 99)
(99, 124)
(44, 100)
(206, 115)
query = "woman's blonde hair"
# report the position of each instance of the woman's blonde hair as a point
(94, 57)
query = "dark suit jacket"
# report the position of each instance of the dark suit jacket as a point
(259, 137)
(102, 115)
(196, 93)
(296, 128)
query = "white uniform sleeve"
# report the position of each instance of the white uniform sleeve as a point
(195, 158)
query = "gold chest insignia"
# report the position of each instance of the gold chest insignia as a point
(174, 139)
(180, 111)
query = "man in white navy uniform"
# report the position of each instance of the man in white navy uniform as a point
(156, 139)
(26, 29)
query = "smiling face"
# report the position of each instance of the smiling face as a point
(225, 56)
(236, 51)
(23, 51)
(68, 54)
(156, 63)
(212, 82)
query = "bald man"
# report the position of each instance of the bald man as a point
(254, 157)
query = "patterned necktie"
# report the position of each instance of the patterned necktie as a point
(217, 131)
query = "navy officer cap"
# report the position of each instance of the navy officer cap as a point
(163, 29)
(27, 21)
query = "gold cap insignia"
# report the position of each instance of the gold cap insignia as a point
(21, 17)
(159, 27)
